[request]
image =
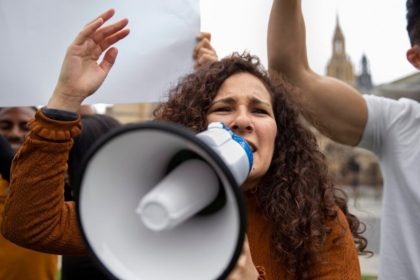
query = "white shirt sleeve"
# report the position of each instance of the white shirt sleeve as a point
(389, 122)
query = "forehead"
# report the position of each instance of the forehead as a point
(243, 85)
(17, 114)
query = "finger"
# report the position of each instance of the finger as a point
(203, 35)
(105, 16)
(235, 275)
(109, 60)
(246, 245)
(91, 27)
(242, 261)
(107, 31)
(203, 51)
(111, 40)
(204, 43)
(206, 59)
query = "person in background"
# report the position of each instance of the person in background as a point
(389, 128)
(17, 262)
(13, 124)
(6, 157)
(299, 226)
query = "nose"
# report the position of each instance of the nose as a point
(242, 123)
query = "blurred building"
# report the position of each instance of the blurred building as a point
(364, 79)
(345, 161)
(339, 65)
(349, 166)
(132, 113)
(408, 87)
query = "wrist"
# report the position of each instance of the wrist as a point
(59, 115)
(60, 100)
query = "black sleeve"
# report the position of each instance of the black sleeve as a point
(6, 157)
(59, 115)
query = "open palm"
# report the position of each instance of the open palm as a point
(81, 73)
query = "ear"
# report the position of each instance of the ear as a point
(413, 56)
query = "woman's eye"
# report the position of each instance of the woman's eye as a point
(260, 111)
(222, 109)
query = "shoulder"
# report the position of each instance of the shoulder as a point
(340, 229)
(389, 119)
(391, 108)
(338, 257)
(339, 243)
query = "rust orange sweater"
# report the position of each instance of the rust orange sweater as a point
(20, 263)
(339, 259)
(36, 215)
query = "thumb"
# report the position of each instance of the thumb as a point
(109, 59)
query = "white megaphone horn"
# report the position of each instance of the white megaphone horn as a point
(157, 201)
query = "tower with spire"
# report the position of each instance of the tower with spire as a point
(340, 157)
(364, 80)
(339, 65)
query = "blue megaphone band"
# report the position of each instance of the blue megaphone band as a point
(241, 141)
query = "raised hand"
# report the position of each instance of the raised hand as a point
(81, 73)
(204, 52)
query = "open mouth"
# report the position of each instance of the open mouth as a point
(253, 148)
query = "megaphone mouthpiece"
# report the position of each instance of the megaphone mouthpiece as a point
(186, 190)
(193, 185)
(233, 149)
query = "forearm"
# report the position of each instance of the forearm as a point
(35, 214)
(332, 106)
(286, 40)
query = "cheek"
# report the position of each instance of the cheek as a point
(269, 133)
(5, 132)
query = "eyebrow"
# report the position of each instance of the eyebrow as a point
(253, 101)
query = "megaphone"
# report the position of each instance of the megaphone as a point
(157, 201)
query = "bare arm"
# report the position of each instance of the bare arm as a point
(332, 106)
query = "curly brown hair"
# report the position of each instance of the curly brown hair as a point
(296, 193)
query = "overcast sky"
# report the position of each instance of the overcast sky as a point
(373, 27)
